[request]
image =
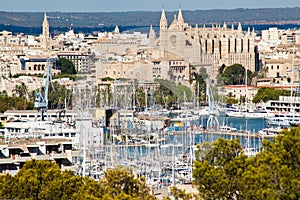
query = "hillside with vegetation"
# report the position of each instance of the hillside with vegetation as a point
(146, 18)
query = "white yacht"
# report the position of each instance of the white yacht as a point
(270, 131)
(201, 111)
(186, 116)
(234, 112)
(258, 113)
(286, 111)
(284, 119)
(228, 128)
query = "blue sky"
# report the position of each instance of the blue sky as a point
(141, 5)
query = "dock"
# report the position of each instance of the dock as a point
(226, 133)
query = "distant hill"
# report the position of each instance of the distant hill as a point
(146, 18)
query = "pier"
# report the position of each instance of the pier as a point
(225, 133)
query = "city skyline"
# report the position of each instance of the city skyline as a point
(137, 5)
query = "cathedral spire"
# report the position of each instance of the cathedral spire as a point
(45, 27)
(196, 34)
(152, 36)
(180, 17)
(240, 27)
(163, 15)
(117, 31)
(180, 20)
(45, 16)
(163, 20)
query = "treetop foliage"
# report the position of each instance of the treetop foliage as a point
(265, 94)
(66, 66)
(223, 171)
(235, 75)
(44, 180)
(179, 91)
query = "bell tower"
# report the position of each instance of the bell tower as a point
(45, 37)
(163, 24)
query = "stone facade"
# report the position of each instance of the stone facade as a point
(207, 46)
(178, 49)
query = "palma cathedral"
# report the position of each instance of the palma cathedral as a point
(177, 53)
(209, 47)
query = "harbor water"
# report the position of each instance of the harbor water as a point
(184, 138)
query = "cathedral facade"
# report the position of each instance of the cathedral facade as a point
(209, 47)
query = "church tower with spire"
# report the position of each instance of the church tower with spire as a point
(45, 37)
(46, 33)
(163, 24)
(152, 37)
(163, 33)
(180, 20)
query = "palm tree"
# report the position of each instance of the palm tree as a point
(263, 72)
(21, 91)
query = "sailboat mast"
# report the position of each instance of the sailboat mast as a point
(293, 57)
(246, 83)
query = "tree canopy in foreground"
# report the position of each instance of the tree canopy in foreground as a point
(223, 171)
(44, 180)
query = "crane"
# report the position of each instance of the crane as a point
(41, 99)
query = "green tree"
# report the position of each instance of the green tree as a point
(21, 91)
(140, 98)
(222, 171)
(166, 92)
(120, 183)
(44, 180)
(235, 75)
(274, 173)
(265, 94)
(56, 96)
(164, 96)
(200, 85)
(14, 103)
(203, 73)
(183, 93)
(66, 66)
(179, 194)
(230, 99)
(263, 72)
(218, 169)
